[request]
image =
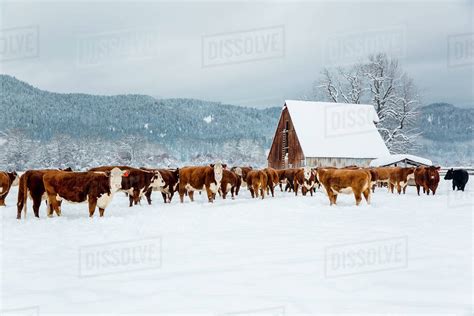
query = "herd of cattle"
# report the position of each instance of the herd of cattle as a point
(98, 185)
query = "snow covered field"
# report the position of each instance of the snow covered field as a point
(280, 256)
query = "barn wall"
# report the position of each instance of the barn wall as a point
(295, 153)
(336, 162)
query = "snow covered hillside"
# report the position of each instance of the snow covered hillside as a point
(279, 256)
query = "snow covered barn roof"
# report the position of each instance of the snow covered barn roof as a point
(340, 130)
(393, 159)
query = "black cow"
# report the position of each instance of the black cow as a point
(459, 177)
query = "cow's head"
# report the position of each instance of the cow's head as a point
(116, 178)
(449, 175)
(410, 171)
(307, 173)
(237, 171)
(13, 178)
(157, 180)
(218, 171)
(433, 172)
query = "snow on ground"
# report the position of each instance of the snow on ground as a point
(279, 256)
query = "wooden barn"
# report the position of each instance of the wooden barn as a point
(319, 134)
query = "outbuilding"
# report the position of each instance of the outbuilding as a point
(317, 134)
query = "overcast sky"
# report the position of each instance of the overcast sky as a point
(241, 53)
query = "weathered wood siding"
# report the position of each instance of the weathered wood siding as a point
(336, 162)
(295, 153)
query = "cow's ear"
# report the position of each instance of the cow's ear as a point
(437, 168)
(126, 173)
(224, 165)
(108, 173)
(212, 165)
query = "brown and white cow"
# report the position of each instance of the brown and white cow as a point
(231, 182)
(137, 183)
(31, 185)
(399, 177)
(287, 176)
(272, 180)
(373, 177)
(257, 181)
(170, 178)
(7, 180)
(347, 181)
(200, 178)
(383, 176)
(97, 188)
(427, 178)
(242, 172)
(304, 178)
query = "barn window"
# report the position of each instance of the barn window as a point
(287, 125)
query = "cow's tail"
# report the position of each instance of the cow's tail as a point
(3, 195)
(263, 179)
(22, 195)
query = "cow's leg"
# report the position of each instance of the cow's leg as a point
(311, 191)
(130, 199)
(272, 190)
(2, 202)
(255, 190)
(210, 194)
(358, 197)
(191, 195)
(36, 206)
(262, 192)
(53, 205)
(224, 194)
(165, 197)
(418, 189)
(281, 187)
(399, 188)
(330, 195)
(101, 212)
(373, 188)
(296, 187)
(251, 192)
(404, 189)
(367, 195)
(136, 197)
(427, 190)
(92, 206)
(181, 191)
(58, 209)
(232, 192)
(148, 196)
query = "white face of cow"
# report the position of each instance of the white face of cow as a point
(307, 173)
(116, 179)
(16, 180)
(218, 171)
(158, 181)
(238, 171)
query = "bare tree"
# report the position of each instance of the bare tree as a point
(380, 82)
